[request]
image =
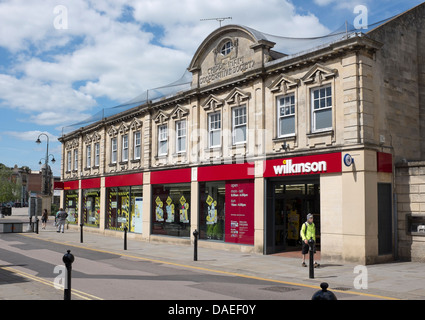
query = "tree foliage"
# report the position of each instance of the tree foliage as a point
(10, 186)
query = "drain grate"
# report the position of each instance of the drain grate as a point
(280, 289)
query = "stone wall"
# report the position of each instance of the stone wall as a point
(399, 84)
(410, 190)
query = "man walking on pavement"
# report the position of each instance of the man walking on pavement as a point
(61, 216)
(308, 231)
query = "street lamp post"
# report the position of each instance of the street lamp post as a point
(46, 190)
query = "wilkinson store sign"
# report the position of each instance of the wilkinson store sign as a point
(315, 164)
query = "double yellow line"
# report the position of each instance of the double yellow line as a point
(78, 293)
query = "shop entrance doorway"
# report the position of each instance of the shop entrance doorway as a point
(288, 203)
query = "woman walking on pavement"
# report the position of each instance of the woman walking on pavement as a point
(44, 218)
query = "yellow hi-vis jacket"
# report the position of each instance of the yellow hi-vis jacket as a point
(309, 233)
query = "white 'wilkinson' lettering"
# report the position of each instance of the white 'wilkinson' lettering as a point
(307, 167)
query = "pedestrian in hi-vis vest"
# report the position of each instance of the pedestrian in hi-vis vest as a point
(308, 231)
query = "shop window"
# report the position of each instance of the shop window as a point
(91, 207)
(171, 210)
(118, 208)
(71, 206)
(212, 204)
(124, 208)
(227, 211)
(136, 209)
(321, 109)
(286, 115)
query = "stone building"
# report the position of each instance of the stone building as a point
(261, 138)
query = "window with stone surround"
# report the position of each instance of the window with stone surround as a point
(321, 103)
(286, 116)
(96, 154)
(181, 136)
(75, 159)
(88, 156)
(124, 146)
(162, 140)
(214, 129)
(114, 150)
(239, 122)
(137, 145)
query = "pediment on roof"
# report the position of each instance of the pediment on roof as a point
(161, 117)
(237, 96)
(319, 73)
(123, 128)
(88, 138)
(212, 103)
(136, 124)
(71, 144)
(283, 83)
(95, 137)
(112, 132)
(179, 112)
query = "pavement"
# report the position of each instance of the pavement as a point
(396, 280)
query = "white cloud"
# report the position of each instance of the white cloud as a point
(30, 135)
(185, 31)
(57, 75)
(341, 4)
(37, 99)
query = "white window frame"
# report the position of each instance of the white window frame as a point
(69, 161)
(96, 154)
(181, 132)
(215, 128)
(162, 139)
(75, 159)
(114, 150)
(88, 156)
(226, 48)
(137, 145)
(325, 98)
(124, 148)
(289, 112)
(236, 124)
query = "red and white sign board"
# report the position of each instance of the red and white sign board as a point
(314, 164)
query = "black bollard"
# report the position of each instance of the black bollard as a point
(36, 225)
(311, 258)
(125, 238)
(81, 232)
(324, 294)
(68, 259)
(195, 245)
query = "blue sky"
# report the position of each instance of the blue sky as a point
(63, 61)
